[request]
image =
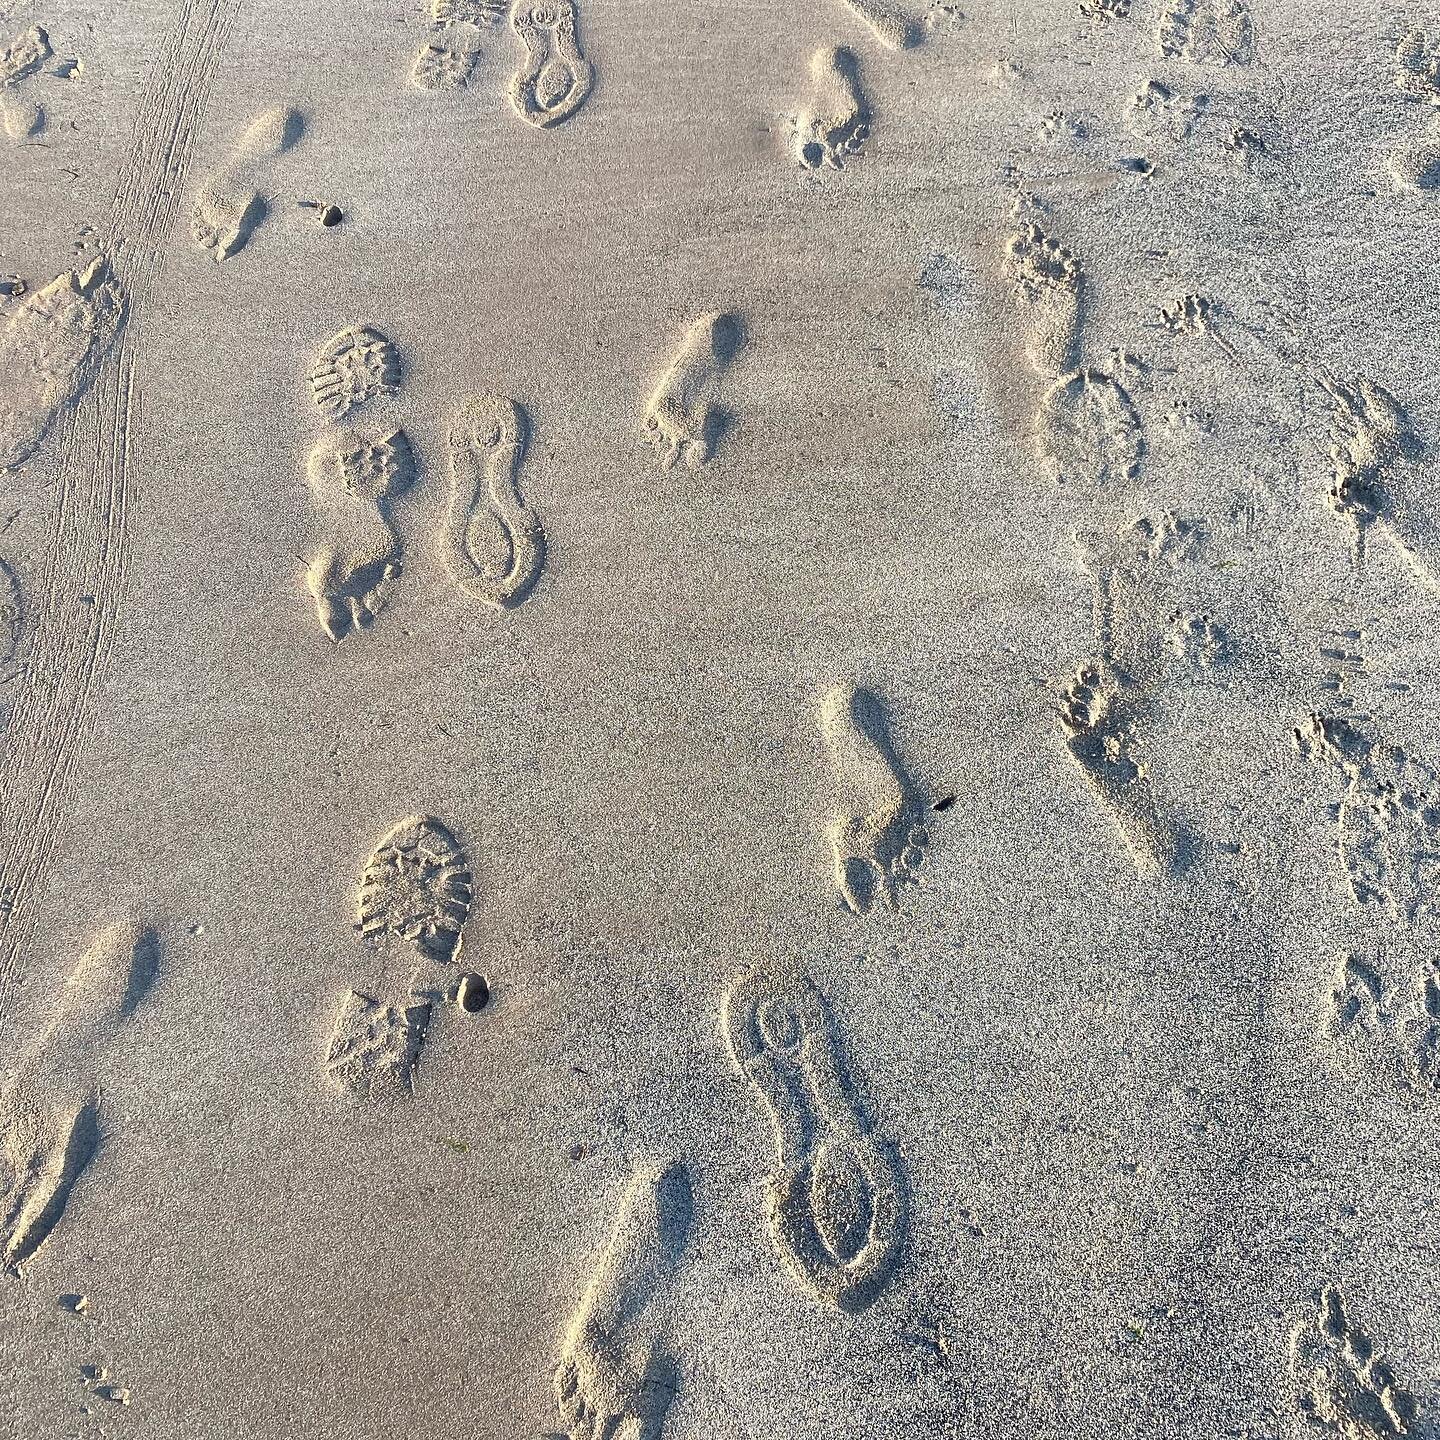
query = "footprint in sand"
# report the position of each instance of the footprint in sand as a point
(891, 25)
(1048, 280)
(446, 61)
(835, 121)
(231, 203)
(1098, 724)
(1342, 1386)
(353, 475)
(50, 349)
(50, 1115)
(25, 57)
(1415, 165)
(681, 417)
(554, 77)
(374, 1046)
(355, 366)
(1088, 431)
(417, 886)
(613, 1380)
(491, 541)
(836, 1204)
(875, 834)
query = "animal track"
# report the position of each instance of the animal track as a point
(375, 1047)
(353, 475)
(554, 77)
(613, 1379)
(51, 1113)
(680, 416)
(1089, 432)
(50, 349)
(1097, 717)
(836, 1204)
(1415, 165)
(491, 541)
(891, 25)
(835, 122)
(418, 886)
(1399, 1026)
(1207, 32)
(1369, 436)
(875, 835)
(1388, 820)
(353, 367)
(1417, 65)
(1049, 281)
(1342, 1385)
(230, 203)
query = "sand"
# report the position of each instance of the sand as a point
(719, 720)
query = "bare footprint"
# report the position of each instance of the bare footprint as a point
(353, 474)
(875, 835)
(25, 57)
(554, 77)
(836, 119)
(836, 1204)
(1342, 1385)
(231, 203)
(613, 1381)
(1048, 280)
(1100, 736)
(680, 416)
(1415, 165)
(491, 541)
(891, 25)
(50, 1115)
(50, 349)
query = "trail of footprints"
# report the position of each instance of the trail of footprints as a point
(490, 541)
(835, 1205)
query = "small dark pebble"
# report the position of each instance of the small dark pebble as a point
(331, 215)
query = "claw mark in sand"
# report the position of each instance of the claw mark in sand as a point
(876, 840)
(613, 1378)
(1342, 1386)
(490, 541)
(231, 203)
(418, 886)
(836, 1205)
(680, 416)
(353, 474)
(835, 121)
(50, 349)
(50, 1116)
(554, 77)
(891, 25)
(1049, 282)
(353, 367)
